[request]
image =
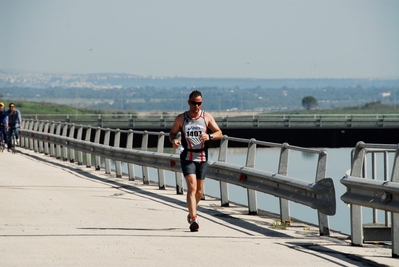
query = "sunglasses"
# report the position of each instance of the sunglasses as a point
(195, 103)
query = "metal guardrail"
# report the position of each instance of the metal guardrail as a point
(66, 141)
(264, 120)
(371, 193)
(381, 195)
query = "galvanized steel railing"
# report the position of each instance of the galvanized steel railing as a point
(263, 120)
(382, 194)
(72, 142)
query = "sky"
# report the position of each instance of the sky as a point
(271, 39)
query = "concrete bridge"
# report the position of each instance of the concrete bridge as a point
(57, 213)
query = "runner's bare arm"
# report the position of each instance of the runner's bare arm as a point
(216, 132)
(175, 130)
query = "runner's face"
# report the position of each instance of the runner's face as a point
(195, 103)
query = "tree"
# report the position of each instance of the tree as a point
(309, 102)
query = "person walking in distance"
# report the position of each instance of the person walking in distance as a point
(193, 125)
(3, 125)
(14, 123)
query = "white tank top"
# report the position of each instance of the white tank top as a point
(194, 148)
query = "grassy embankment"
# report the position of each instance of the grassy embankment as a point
(27, 107)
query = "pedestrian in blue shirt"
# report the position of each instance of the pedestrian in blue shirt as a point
(14, 124)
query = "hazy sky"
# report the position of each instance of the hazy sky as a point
(203, 38)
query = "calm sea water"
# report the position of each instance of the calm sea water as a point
(301, 166)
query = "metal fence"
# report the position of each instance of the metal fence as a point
(377, 194)
(164, 119)
(77, 144)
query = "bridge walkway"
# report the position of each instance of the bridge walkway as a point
(57, 213)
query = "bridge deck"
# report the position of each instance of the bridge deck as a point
(55, 213)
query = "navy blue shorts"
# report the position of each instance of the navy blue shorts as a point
(194, 167)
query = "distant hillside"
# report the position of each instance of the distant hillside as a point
(124, 80)
(126, 92)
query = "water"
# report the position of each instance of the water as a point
(301, 166)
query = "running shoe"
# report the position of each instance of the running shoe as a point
(194, 226)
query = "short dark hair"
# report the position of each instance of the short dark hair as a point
(11, 104)
(194, 94)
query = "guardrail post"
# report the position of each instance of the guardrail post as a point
(52, 146)
(386, 178)
(317, 122)
(29, 126)
(356, 210)
(161, 172)
(106, 159)
(349, 122)
(79, 137)
(131, 121)
(41, 149)
(97, 141)
(35, 142)
(88, 155)
(129, 145)
(24, 124)
(71, 150)
(250, 162)
(374, 177)
(118, 164)
(100, 121)
(395, 216)
(25, 141)
(395, 235)
(64, 148)
(283, 170)
(30, 142)
(179, 183)
(144, 147)
(380, 122)
(58, 147)
(255, 122)
(286, 122)
(324, 226)
(225, 121)
(224, 190)
(46, 145)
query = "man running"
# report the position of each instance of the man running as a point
(193, 125)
